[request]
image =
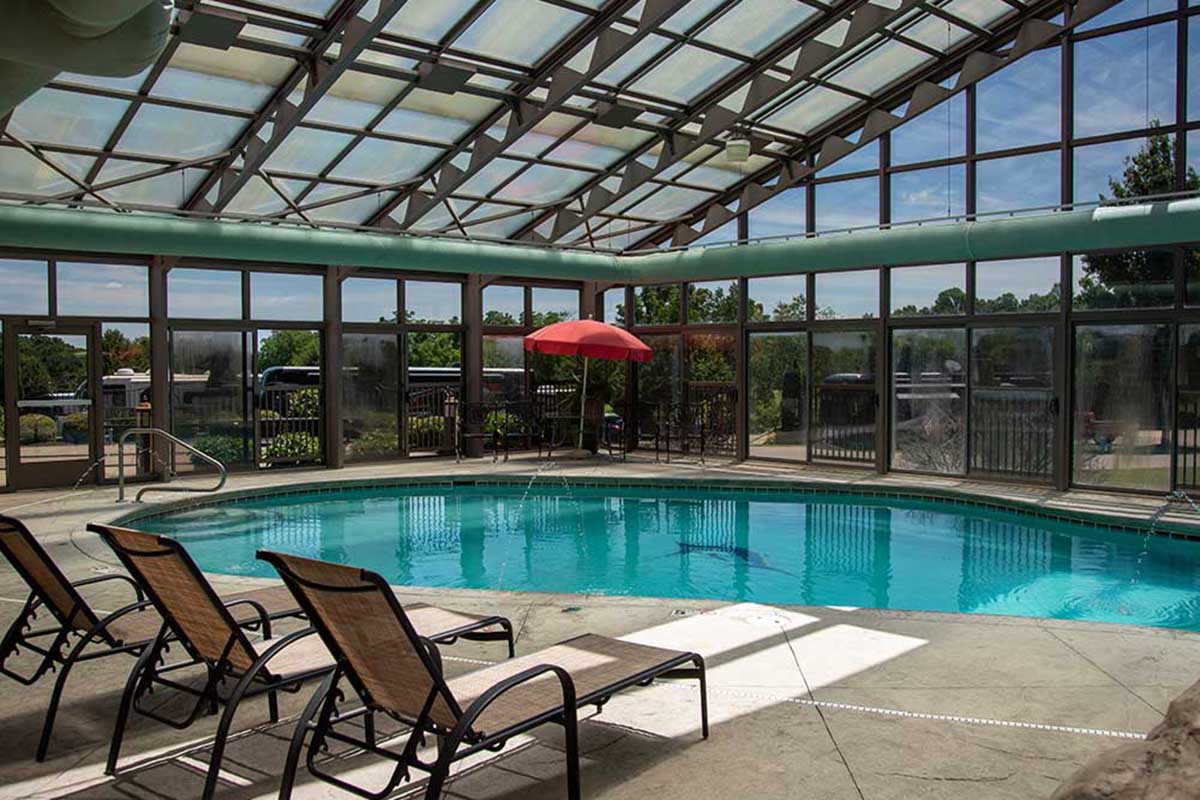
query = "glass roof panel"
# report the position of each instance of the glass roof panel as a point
(354, 212)
(256, 197)
(879, 66)
(313, 8)
(981, 12)
(751, 25)
(933, 32)
(385, 161)
(506, 226)
(684, 74)
(633, 58)
(307, 150)
(428, 22)
(520, 31)
(542, 183)
(60, 117)
(178, 132)
(437, 117)
(22, 173)
(670, 201)
(129, 83)
(691, 13)
(344, 111)
(576, 151)
(810, 109)
(496, 172)
(217, 90)
(436, 217)
(716, 174)
(170, 190)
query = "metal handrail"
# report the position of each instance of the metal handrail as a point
(171, 438)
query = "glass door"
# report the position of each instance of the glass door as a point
(53, 440)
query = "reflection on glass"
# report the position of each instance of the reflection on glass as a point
(656, 305)
(847, 204)
(1124, 279)
(554, 305)
(1125, 81)
(1122, 423)
(778, 374)
(1018, 182)
(54, 407)
(26, 287)
(368, 300)
(782, 298)
(93, 290)
(290, 400)
(928, 291)
(204, 294)
(1100, 170)
(844, 396)
(210, 383)
(283, 296)
(503, 368)
(1013, 408)
(1187, 471)
(1026, 284)
(929, 383)
(659, 379)
(125, 389)
(370, 387)
(714, 301)
(503, 305)
(848, 295)
(614, 307)
(432, 302)
(434, 390)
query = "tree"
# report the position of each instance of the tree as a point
(120, 352)
(1137, 277)
(290, 348)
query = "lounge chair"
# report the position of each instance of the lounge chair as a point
(73, 631)
(396, 672)
(194, 615)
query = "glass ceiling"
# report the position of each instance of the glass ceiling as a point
(476, 118)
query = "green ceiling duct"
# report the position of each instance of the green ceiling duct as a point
(152, 234)
(1149, 224)
(1143, 225)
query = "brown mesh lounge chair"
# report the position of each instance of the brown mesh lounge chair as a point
(72, 631)
(195, 616)
(396, 672)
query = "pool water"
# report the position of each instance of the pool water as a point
(806, 549)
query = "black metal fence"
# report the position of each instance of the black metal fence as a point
(1187, 434)
(429, 418)
(843, 422)
(1012, 432)
(289, 425)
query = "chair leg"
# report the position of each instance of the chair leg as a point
(222, 735)
(60, 683)
(315, 703)
(571, 727)
(703, 697)
(144, 662)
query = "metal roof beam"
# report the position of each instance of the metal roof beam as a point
(610, 43)
(865, 19)
(1027, 31)
(349, 29)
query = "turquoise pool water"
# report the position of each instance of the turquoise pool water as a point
(809, 549)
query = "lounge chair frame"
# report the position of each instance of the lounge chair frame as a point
(321, 715)
(256, 679)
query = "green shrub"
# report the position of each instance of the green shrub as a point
(501, 423)
(376, 443)
(267, 414)
(293, 446)
(224, 447)
(305, 402)
(36, 428)
(75, 427)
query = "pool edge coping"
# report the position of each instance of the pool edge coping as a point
(1108, 518)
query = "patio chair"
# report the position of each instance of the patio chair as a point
(396, 672)
(73, 631)
(194, 615)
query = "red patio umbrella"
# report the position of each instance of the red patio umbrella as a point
(590, 339)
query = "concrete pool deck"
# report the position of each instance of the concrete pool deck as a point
(806, 702)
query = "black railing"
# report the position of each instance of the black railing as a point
(429, 418)
(1188, 439)
(843, 422)
(289, 425)
(1012, 432)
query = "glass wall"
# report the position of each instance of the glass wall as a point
(929, 388)
(370, 395)
(211, 380)
(844, 396)
(1013, 404)
(1122, 421)
(778, 395)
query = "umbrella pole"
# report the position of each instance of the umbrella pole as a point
(582, 399)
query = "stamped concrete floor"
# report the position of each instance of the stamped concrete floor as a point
(806, 702)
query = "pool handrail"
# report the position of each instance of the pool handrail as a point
(224, 473)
